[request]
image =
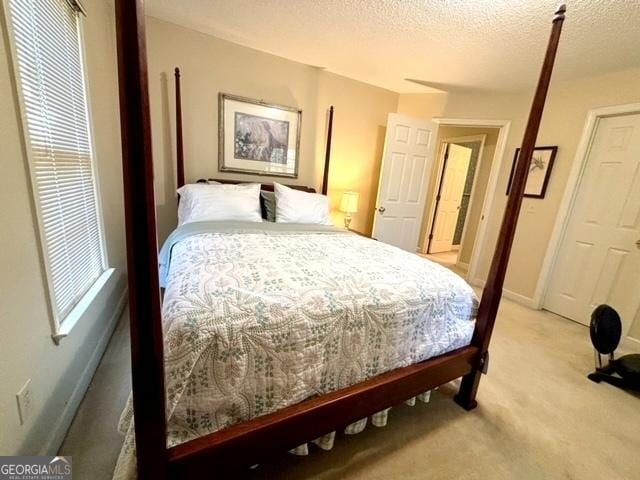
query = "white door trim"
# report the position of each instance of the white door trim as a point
(570, 192)
(492, 184)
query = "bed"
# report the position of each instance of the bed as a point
(302, 298)
(261, 316)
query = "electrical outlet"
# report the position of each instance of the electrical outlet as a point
(25, 402)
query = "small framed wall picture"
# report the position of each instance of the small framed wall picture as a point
(539, 171)
(258, 138)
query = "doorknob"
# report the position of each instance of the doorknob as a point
(381, 209)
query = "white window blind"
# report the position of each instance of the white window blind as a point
(49, 66)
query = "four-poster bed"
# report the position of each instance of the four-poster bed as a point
(252, 441)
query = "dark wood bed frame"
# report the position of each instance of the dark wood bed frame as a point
(252, 441)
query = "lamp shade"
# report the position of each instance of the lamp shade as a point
(349, 202)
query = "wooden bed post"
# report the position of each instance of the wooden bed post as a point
(492, 294)
(147, 359)
(327, 153)
(179, 143)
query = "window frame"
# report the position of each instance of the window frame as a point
(60, 327)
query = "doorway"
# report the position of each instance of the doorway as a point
(597, 259)
(453, 194)
(469, 154)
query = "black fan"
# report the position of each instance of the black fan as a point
(606, 330)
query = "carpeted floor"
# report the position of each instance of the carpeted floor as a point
(538, 418)
(448, 259)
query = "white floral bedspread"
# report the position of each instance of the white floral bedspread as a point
(258, 320)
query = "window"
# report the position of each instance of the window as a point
(49, 65)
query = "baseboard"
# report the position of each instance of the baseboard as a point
(516, 297)
(632, 343)
(59, 431)
(521, 299)
(464, 265)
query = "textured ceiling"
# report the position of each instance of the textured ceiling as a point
(448, 44)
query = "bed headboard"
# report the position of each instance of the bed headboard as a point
(267, 187)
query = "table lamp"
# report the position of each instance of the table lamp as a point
(349, 205)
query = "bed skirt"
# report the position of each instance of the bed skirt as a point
(379, 419)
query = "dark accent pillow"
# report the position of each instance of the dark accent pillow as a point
(268, 206)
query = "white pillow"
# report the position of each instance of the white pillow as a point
(295, 206)
(203, 202)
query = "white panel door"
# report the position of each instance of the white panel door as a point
(404, 178)
(599, 257)
(449, 199)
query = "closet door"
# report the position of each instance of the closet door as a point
(599, 256)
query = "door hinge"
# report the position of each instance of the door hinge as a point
(437, 198)
(431, 236)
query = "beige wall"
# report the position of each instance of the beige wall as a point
(482, 177)
(210, 65)
(634, 332)
(59, 374)
(359, 128)
(562, 124)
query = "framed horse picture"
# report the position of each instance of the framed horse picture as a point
(258, 138)
(539, 171)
